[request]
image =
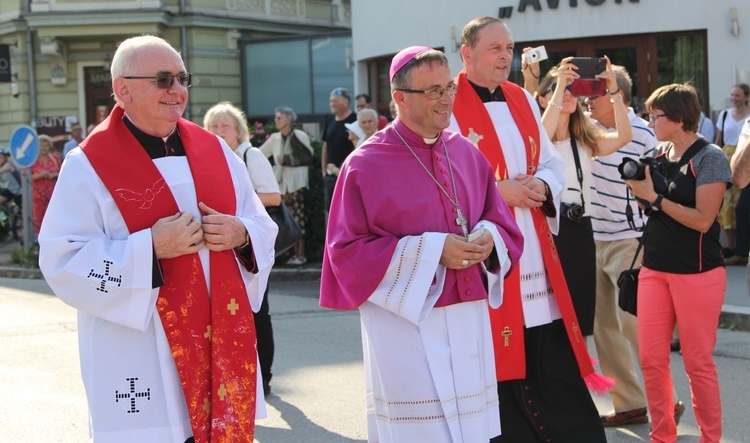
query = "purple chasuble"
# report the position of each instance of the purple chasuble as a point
(383, 194)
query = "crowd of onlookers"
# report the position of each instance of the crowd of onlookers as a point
(598, 236)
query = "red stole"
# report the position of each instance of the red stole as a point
(211, 334)
(507, 321)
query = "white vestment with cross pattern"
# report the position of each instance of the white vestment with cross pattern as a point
(95, 265)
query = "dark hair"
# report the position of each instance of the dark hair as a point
(402, 78)
(679, 102)
(364, 96)
(470, 33)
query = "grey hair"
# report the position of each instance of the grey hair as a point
(123, 62)
(624, 82)
(286, 111)
(366, 111)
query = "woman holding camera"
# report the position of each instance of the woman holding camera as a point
(578, 140)
(683, 278)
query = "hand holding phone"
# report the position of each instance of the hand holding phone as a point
(587, 85)
(589, 67)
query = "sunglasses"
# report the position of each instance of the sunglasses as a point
(554, 85)
(341, 93)
(165, 80)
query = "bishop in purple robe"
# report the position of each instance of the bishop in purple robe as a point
(420, 240)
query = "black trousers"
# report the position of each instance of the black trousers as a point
(742, 223)
(264, 332)
(575, 245)
(552, 403)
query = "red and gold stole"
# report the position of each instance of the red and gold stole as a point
(507, 321)
(211, 333)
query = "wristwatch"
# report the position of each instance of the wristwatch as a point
(656, 205)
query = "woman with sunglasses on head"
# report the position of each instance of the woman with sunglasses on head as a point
(578, 140)
(683, 279)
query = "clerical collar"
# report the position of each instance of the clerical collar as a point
(157, 147)
(431, 141)
(486, 95)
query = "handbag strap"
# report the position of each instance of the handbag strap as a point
(637, 251)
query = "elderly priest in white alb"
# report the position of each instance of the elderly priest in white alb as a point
(155, 235)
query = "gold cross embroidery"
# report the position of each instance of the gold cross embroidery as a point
(207, 405)
(208, 333)
(474, 137)
(233, 306)
(222, 391)
(506, 334)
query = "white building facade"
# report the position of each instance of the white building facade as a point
(658, 41)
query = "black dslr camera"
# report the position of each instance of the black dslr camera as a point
(571, 211)
(636, 170)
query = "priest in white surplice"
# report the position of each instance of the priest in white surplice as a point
(417, 233)
(543, 366)
(155, 235)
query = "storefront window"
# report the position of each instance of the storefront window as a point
(332, 68)
(277, 74)
(680, 59)
(300, 73)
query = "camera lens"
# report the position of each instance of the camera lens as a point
(630, 169)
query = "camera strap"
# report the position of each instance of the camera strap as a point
(629, 213)
(579, 170)
(699, 144)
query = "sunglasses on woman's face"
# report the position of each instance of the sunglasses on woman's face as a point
(554, 85)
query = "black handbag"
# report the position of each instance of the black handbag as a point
(627, 297)
(289, 230)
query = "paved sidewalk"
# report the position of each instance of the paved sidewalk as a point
(735, 313)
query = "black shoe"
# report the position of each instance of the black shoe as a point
(266, 387)
(675, 346)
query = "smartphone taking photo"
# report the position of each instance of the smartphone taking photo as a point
(587, 85)
(589, 67)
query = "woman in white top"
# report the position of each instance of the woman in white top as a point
(229, 123)
(728, 128)
(574, 135)
(292, 155)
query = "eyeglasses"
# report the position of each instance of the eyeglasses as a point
(653, 117)
(554, 85)
(433, 93)
(165, 80)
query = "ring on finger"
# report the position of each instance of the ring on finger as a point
(464, 263)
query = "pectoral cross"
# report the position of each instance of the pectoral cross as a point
(506, 335)
(462, 221)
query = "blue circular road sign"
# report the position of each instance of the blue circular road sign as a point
(24, 146)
